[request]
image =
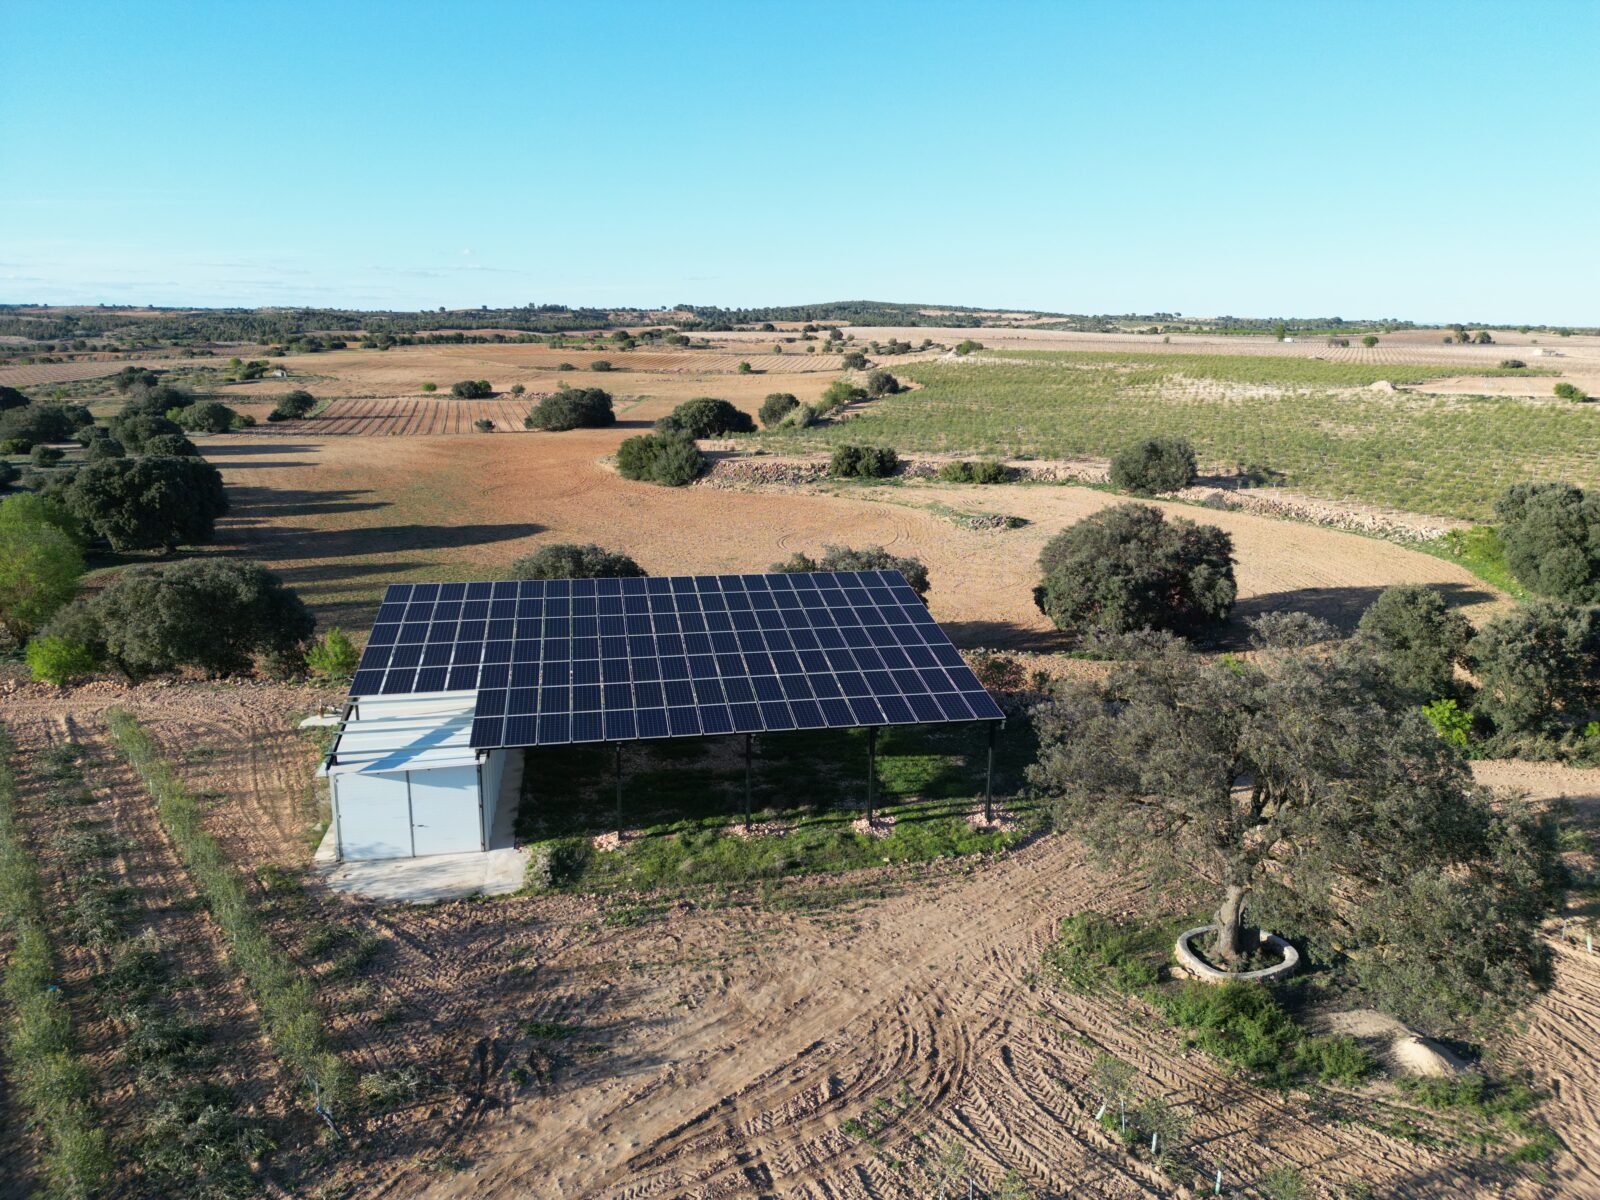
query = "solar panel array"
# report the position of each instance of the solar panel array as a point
(589, 660)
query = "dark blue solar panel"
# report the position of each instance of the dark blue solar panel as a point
(556, 661)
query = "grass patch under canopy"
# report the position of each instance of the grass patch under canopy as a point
(687, 798)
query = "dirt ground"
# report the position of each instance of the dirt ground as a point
(341, 517)
(719, 1047)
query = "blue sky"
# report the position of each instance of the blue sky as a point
(1434, 162)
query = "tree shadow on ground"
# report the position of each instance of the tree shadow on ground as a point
(1005, 635)
(1341, 607)
(296, 543)
(271, 446)
(245, 502)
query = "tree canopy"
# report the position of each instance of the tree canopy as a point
(705, 417)
(1285, 788)
(572, 408)
(564, 560)
(666, 458)
(1158, 464)
(1128, 567)
(1538, 667)
(777, 406)
(217, 615)
(152, 503)
(133, 428)
(1418, 639)
(43, 422)
(1551, 533)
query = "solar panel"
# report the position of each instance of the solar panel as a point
(588, 660)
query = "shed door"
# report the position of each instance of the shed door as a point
(374, 816)
(444, 811)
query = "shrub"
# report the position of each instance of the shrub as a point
(745, 368)
(10, 397)
(566, 366)
(881, 383)
(666, 458)
(40, 564)
(855, 361)
(1512, 364)
(8, 474)
(1539, 668)
(705, 417)
(967, 347)
(46, 456)
(558, 862)
(1417, 637)
(483, 425)
(170, 445)
(1159, 464)
(600, 364)
(41, 422)
(1128, 568)
(292, 406)
(869, 558)
(572, 408)
(999, 673)
(157, 401)
(1570, 391)
(863, 462)
(59, 660)
(217, 615)
(472, 389)
(985, 471)
(517, 389)
(148, 503)
(1551, 535)
(103, 448)
(777, 406)
(134, 429)
(15, 445)
(430, 387)
(1450, 722)
(839, 393)
(1369, 341)
(210, 417)
(332, 656)
(565, 560)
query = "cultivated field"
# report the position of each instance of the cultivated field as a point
(810, 1040)
(1320, 425)
(399, 416)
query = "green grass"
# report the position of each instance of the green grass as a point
(52, 1085)
(1444, 455)
(687, 798)
(283, 994)
(1480, 551)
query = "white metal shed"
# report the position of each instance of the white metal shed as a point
(405, 781)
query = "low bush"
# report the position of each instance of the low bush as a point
(558, 862)
(565, 560)
(1241, 1022)
(855, 361)
(600, 364)
(472, 389)
(863, 462)
(46, 456)
(776, 407)
(671, 459)
(1512, 364)
(1570, 391)
(869, 558)
(284, 996)
(984, 471)
(103, 448)
(60, 660)
(839, 393)
(333, 655)
(1152, 466)
(572, 408)
(483, 425)
(881, 383)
